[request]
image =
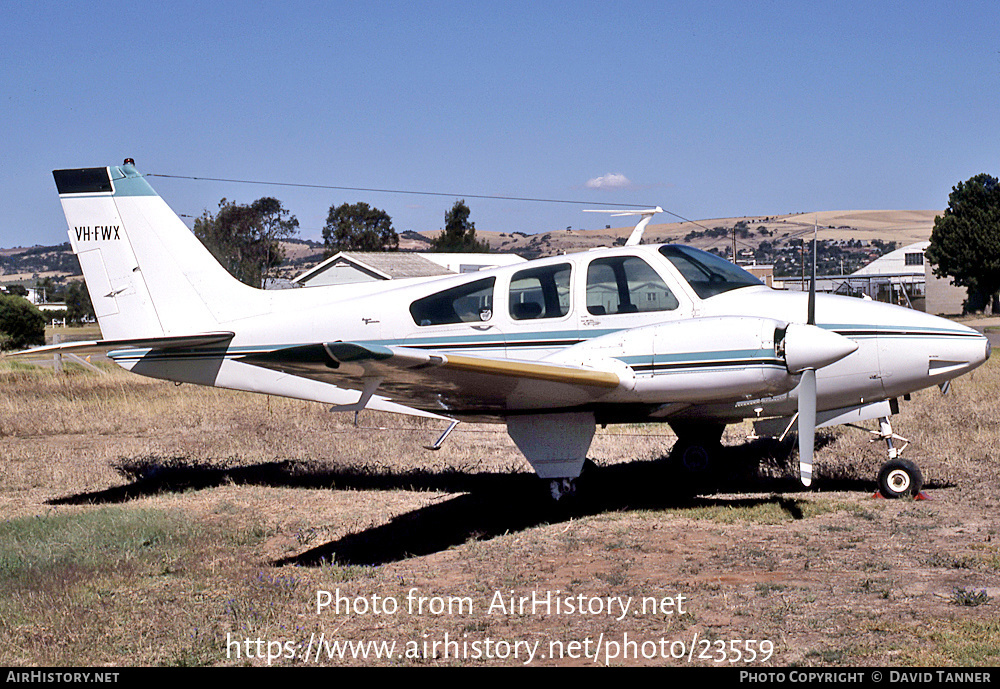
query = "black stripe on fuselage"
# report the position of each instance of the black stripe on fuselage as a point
(741, 363)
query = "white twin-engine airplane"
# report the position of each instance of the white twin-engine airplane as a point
(551, 347)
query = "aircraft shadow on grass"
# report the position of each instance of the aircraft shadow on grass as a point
(486, 505)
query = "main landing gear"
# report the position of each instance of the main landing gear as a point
(898, 477)
(697, 446)
(562, 488)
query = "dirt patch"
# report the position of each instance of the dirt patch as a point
(276, 507)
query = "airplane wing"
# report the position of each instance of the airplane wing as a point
(439, 381)
(162, 342)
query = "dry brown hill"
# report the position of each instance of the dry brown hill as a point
(903, 226)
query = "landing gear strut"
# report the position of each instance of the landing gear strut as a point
(898, 477)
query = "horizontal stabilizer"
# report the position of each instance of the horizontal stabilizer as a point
(92, 346)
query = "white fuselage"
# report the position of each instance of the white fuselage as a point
(701, 357)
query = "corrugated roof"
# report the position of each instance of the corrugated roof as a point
(389, 264)
(398, 264)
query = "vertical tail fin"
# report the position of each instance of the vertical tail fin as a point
(147, 274)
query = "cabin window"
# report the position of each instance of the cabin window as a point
(540, 293)
(468, 303)
(626, 284)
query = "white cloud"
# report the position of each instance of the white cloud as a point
(609, 181)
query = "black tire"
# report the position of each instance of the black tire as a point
(900, 478)
(693, 458)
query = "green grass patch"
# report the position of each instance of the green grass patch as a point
(968, 643)
(21, 365)
(753, 510)
(121, 584)
(57, 549)
(948, 642)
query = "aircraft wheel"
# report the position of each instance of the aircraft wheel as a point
(900, 478)
(562, 488)
(694, 458)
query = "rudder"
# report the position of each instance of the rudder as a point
(147, 274)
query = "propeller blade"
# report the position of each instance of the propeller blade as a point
(807, 425)
(807, 386)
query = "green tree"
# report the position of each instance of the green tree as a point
(358, 227)
(79, 308)
(965, 242)
(21, 323)
(459, 234)
(245, 239)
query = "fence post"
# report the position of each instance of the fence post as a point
(57, 357)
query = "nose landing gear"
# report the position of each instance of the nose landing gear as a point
(898, 477)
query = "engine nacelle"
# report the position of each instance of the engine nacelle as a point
(694, 360)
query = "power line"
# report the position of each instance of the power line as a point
(303, 185)
(400, 191)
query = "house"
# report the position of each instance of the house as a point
(348, 267)
(37, 297)
(898, 277)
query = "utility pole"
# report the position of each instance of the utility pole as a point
(802, 260)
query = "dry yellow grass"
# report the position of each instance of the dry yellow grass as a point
(147, 523)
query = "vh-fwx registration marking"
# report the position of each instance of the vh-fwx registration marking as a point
(98, 233)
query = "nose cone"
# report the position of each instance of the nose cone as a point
(810, 347)
(959, 346)
(917, 350)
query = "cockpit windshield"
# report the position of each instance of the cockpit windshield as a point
(707, 273)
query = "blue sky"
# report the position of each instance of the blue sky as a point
(709, 109)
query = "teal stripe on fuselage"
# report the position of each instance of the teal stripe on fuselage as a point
(741, 354)
(513, 339)
(501, 341)
(666, 363)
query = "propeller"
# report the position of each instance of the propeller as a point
(807, 348)
(807, 390)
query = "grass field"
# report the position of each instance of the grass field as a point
(147, 523)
